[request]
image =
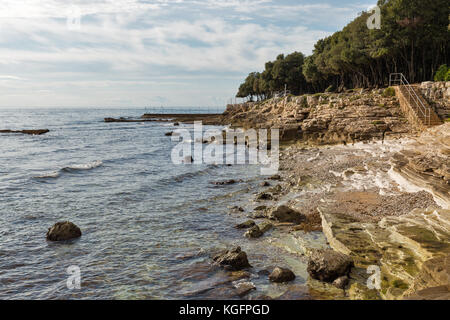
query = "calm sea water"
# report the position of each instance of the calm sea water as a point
(149, 226)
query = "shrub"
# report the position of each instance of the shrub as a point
(441, 73)
(389, 92)
(447, 76)
(331, 88)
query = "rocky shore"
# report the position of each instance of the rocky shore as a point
(353, 168)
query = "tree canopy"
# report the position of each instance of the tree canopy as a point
(414, 39)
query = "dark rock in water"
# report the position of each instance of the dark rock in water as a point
(253, 233)
(234, 259)
(176, 124)
(30, 132)
(265, 184)
(264, 196)
(275, 177)
(286, 214)
(169, 134)
(246, 225)
(341, 282)
(328, 265)
(62, 231)
(280, 275)
(260, 208)
(263, 272)
(223, 183)
(237, 209)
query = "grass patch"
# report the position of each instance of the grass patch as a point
(389, 92)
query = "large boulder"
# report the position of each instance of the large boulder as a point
(234, 259)
(62, 231)
(285, 214)
(280, 275)
(328, 265)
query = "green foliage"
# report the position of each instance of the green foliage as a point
(331, 88)
(389, 92)
(442, 73)
(414, 39)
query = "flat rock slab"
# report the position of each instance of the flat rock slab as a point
(30, 132)
(411, 250)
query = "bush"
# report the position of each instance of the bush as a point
(442, 73)
(389, 92)
(331, 88)
(447, 76)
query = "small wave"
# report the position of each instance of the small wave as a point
(87, 166)
(76, 167)
(51, 175)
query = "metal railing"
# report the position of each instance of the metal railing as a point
(397, 79)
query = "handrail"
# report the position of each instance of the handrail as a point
(395, 78)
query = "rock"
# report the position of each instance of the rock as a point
(234, 259)
(341, 282)
(169, 134)
(30, 132)
(264, 272)
(328, 265)
(246, 225)
(264, 196)
(275, 177)
(243, 288)
(253, 233)
(285, 214)
(176, 124)
(265, 184)
(280, 275)
(265, 226)
(223, 183)
(260, 208)
(62, 231)
(237, 209)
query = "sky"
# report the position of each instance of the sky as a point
(151, 53)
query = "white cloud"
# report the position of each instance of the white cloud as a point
(137, 44)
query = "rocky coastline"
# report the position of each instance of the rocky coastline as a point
(378, 189)
(353, 169)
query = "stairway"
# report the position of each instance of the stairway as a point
(416, 109)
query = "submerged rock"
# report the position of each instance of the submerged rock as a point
(258, 231)
(243, 288)
(286, 214)
(245, 225)
(328, 265)
(30, 132)
(225, 182)
(234, 259)
(62, 231)
(280, 275)
(341, 282)
(254, 232)
(264, 196)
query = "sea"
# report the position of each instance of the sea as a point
(149, 227)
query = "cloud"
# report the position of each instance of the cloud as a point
(133, 44)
